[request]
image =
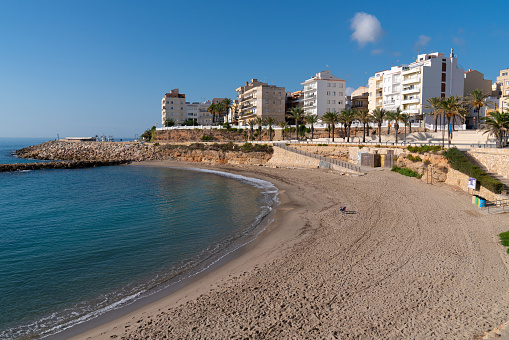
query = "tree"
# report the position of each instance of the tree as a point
(348, 117)
(396, 116)
(283, 126)
(270, 121)
(212, 110)
(312, 120)
(226, 103)
(434, 104)
(219, 108)
(169, 122)
(259, 121)
(389, 117)
(297, 113)
(364, 117)
(497, 124)
(251, 124)
(451, 107)
(405, 118)
(476, 99)
(331, 118)
(378, 116)
(149, 133)
(190, 122)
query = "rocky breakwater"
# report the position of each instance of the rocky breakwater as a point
(91, 151)
(58, 165)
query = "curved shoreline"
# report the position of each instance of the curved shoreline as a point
(234, 250)
(407, 260)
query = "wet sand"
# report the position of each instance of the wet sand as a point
(406, 261)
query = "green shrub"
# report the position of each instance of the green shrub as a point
(504, 239)
(378, 146)
(248, 147)
(361, 146)
(424, 148)
(406, 171)
(459, 162)
(156, 144)
(207, 138)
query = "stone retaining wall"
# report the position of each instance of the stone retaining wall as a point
(495, 160)
(282, 157)
(460, 180)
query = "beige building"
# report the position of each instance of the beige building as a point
(173, 106)
(359, 98)
(258, 99)
(501, 90)
(475, 80)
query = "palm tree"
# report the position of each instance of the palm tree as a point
(212, 110)
(378, 115)
(348, 116)
(270, 121)
(497, 124)
(219, 108)
(283, 126)
(364, 117)
(297, 113)
(434, 104)
(389, 117)
(251, 124)
(226, 103)
(311, 119)
(405, 118)
(451, 106)
(331, 118)
(396, 115)
(476, 99)
(259, 121)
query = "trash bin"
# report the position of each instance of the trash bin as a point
(473, 199)
(482, 202)
(476, 200)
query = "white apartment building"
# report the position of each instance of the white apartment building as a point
(173, 106)
(324, 93)
(408, 87)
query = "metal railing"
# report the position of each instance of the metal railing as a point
(497, 206)
(321, 158)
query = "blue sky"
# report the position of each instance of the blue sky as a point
(81, 68)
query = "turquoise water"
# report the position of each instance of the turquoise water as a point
(9, 145)
(76, 243)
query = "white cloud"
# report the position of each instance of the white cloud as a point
(422, 41)
(458, 41)
(366, 28)
(349, 90)
(377, 51)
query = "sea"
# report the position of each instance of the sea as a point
(75, 244)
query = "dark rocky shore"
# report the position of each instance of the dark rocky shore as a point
(58, 165)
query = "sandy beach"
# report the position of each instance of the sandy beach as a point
(407, 260)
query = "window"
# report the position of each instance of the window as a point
(443, 87)
(328, 93)
(340, 85)
(504, 74)
(340, 93)
(334, 85)
(171, 108)
(443, 76)
(267, 110)
(182, 108)
(334, 93)
(172, 102)
(507, 82)
(328, 85)
(444, 67)
(279, 110)
(333, 102)
(328, 101)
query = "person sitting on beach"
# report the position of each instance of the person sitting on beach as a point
(342, 209)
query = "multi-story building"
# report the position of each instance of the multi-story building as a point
(323, 93)
(173, 106)
(294, 99)
(475, 80)
(408, 87)
(258, 99)
(359, 98)
(198, 112)
(501, 89)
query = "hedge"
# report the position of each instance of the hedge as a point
(459, 162)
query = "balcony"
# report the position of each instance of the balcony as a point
(379, 94)
(411, 111)
(410, 80)
(411, 100)
(408, 70)
(311, 95)
(411, 89)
